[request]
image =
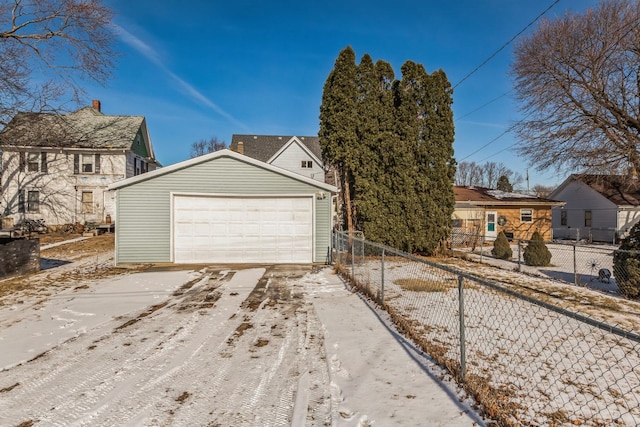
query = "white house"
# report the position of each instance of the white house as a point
(598, 207)
(57, 166)
(298, 154)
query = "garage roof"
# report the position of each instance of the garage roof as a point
(215, 155)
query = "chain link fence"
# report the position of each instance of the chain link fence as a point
(526, 361)
(579, 263)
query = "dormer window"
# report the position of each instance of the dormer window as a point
(307, 164)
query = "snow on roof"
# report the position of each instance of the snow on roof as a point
(498, 194)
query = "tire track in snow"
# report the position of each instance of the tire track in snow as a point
(187, 363)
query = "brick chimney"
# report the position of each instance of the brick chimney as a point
(240, 147)
(96, 105)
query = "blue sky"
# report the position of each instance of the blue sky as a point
(198, 69)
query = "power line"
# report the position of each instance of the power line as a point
(509, 129)
(484, 105)
(505, 45)
(623, 32)
(498, 152)
(488, 143)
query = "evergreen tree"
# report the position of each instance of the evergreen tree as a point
(338, 120)
(392, 142)
(426, 167)
(626, 264)
(501, 248)
(366, 172)
(504, 184)
(536, 253)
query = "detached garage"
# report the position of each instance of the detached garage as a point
(223, 207)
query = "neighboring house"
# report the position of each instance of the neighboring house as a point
(601, 208)
(484, 211)
(223, 207)
(298, 154)
(57, 166)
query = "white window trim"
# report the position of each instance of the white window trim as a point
(92, 162)
(522, 211)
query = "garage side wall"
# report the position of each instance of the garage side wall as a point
(144, 208)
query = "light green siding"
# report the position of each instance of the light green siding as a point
(143, 229)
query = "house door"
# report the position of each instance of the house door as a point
(491, 224)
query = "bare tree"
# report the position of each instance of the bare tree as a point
(468, 174)
(485, 175)
(577, 79)
(542, 190)
(47, 47)
(207, 146)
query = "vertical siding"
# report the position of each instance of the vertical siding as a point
(323, 228)
(144, 208)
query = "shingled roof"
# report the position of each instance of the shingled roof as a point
(621, 190)
(263, 147)
(491, 197)
(85, 128)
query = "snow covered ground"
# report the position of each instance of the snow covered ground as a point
(582, 268)
(535, 365)
(272, 346)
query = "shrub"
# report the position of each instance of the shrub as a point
(536, 253)
(501, 248)
(626, 264)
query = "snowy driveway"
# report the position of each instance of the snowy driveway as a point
(270, 346)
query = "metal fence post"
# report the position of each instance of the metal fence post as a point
(334, 247)
(481, 247)
(382, 278)
(519, 251)
(575, 267)
(463, 356)
(353, 259)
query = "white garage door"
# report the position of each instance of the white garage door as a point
(242, 229)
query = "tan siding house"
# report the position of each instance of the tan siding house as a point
(485, 211)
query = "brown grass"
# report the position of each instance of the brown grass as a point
(421, 285)
(90, 252)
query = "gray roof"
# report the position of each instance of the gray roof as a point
(85, 128)
(263, 147)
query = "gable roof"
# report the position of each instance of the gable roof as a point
(85, 128)
(479, 196)
(621, 190)
(215, 155)
(264, 147)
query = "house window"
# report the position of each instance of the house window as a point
(138, 166)
(33, 162)
(526, 215)
(456, 223)
(87, 202)
(33, 165)
(587, 218)
(563, 217)
(307, 164)
(87, 163)
(33, 201)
